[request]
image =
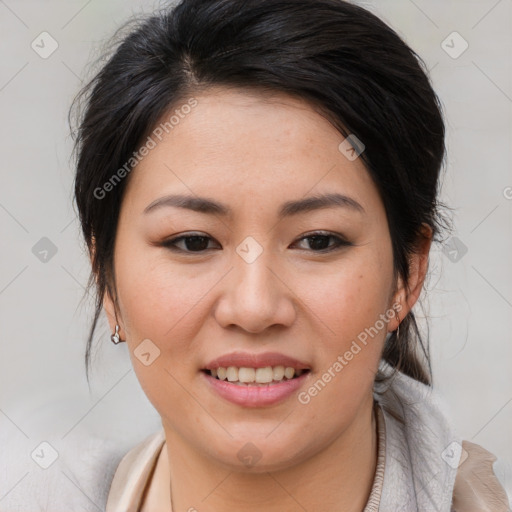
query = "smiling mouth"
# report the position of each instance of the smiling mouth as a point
(266, 376)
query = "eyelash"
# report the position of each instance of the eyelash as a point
(340, 242)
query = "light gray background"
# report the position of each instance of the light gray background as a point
(43, 391)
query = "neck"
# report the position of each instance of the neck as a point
(339, 477)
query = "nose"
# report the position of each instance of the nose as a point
(255, 296)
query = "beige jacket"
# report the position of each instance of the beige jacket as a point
(476, 488)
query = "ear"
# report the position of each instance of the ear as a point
(108, 303)
(407, 296)
(108, 306)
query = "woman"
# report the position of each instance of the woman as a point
(257, 183)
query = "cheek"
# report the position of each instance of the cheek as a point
(161, 302)
(347, 300)
(156, 295)
(350, 310)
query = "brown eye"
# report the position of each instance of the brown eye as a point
(197, 243)
(189, 243)
(319, 242)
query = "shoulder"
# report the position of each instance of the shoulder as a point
(142, 452)
(73, 474)
(425, 452)
(133, 473)
(476, 485)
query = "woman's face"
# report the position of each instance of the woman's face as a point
(252, 288)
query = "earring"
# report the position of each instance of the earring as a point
(115, 337)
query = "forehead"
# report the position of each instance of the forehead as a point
(275, 145)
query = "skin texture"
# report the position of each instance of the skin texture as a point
(253, 153)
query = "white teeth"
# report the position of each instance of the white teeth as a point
(232, 373)
(289, 372)
(278, 372)
(245, 375)
(264, 375)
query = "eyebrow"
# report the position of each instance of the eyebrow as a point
(288, 209)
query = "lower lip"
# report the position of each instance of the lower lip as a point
(255, 396)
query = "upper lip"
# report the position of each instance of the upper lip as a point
(248, 360)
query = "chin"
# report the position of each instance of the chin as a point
(260, 455)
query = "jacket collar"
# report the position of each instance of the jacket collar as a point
(422, 448)
(132, 474)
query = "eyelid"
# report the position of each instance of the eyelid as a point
(169, 243)
(341, 241)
